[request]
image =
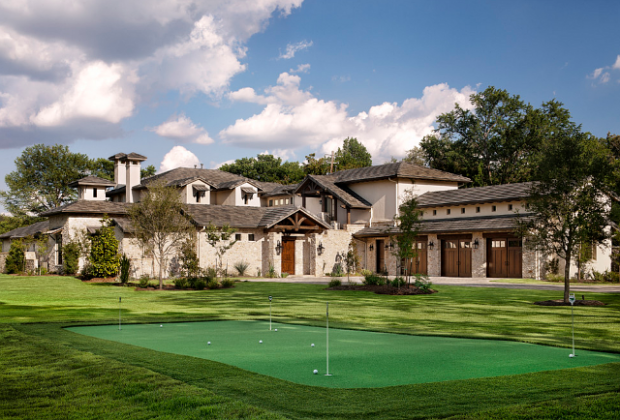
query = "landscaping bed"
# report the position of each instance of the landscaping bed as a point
(560, 302)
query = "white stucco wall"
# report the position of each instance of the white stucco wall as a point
(87, 192)
(381, 194)
(239, 200)
(486, 209)
(187, 194)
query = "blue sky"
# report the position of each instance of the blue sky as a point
(184, 82)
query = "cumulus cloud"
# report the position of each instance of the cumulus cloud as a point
(69, 68)
(602, 75)
(177, 157)
(292, 49)
(302, 68)
(181, 128)
(294, 116)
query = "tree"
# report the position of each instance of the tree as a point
(161, 223)
(408, 220)
(16, 260)
(415, 156)
(314, 166)
(71, 257)
(266, 168)
(351, 260)
(104, 258)
(8, 223)
(148, 171)
(103, 168)
(353, 154)
(493, 143)
(219, 239)
(568, 208)
(188, 257)
(40, 181)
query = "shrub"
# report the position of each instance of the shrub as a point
(365, 272)
(553, 266)
(153, 285)
(423, 283)
(125, 265)
(210, 273)
(103, 257)
(71, 258)
(335, 283)
(337, 271)
(272, 274)
(242, 267)
(284, 275)
(180, 283)
(398, 282)
(43, 271)
(188, 258)
(14, 263)
(228, 283)
(373, 280)
(556, 278)
(144, 281)
(613, 277)
(211, 284)
(258, 272)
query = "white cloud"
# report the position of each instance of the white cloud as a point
(177, 157)
(294, 116)
(616, 65)
(77, 68)
(602, 75)
(302, 68)
(292, 49)
(183, 129)
(215, 165)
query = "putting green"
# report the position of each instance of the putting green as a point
(358, 359)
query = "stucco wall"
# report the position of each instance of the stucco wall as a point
(381, 194)
(187, 194)
(501, 209)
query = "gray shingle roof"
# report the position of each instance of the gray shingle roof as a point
(475, 195)
(127, 156)
(463, 224)
(246, 217)
(344, 194)
(24, 231)
(88, 206)
(279, 189)
(93, 180)
(394, 170)
(214, 177)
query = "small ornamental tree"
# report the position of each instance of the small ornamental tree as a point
(351, 260)
(15, 261)
(219, 238)
(104, 259)
(408, 219)
(188, 257)
(71, 257)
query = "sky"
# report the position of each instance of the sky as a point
(185, 82)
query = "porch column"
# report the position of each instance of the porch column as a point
(434, 256)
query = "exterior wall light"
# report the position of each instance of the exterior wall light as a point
(320, 248)
(431, 245)
(476, 243)
(372, 247)
(279, 248)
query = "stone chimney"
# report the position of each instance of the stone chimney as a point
(127, 172)
(119, 169)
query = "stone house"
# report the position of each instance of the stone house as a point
(305, 229)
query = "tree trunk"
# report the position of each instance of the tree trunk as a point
(567, 278)
(161, 267)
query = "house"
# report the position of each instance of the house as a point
(305, 229)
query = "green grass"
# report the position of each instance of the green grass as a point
(573, 282)
(47, 372)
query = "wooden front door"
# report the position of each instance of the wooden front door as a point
(288, 256)
(380, 256)
(504, 258)
(449, 258)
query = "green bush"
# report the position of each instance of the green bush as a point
(423, 283)
(71, 258)
(153, 285)
(373, 280)
(365, 272)
(210, 273)
(398, 282)
(242, 267)
(212, 284)
(228, 283)
(338, 271)
(284, 275)
(181, 283)
(272, 273)
(144, 281)
(556, 278)
(15, 261)
(43, 271)
(104, 259)
(613, 277)
(125, 265)
(335, 283)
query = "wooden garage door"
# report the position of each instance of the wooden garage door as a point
(456, 257)
(419, 263)
(464, 258)
(504, 257)
(288, 256)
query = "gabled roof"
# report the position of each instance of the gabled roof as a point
(120, 188)
(24, 231)
(214, 177)
(246, 217)
(475, 195)
(87, 206)
(344, 194)
(279, 189)
(394, 170)
(128, 156)
(93, 180)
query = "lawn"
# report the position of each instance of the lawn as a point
(47, 372)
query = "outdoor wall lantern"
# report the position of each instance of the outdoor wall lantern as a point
(320, 248)
(279, 248)
(371, 247)
(476, 243)
(431, 245)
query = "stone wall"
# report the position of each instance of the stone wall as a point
(434, 257)
(336, 246)
(243, 250)
(3, 256)
(478, 256)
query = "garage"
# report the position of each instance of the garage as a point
(455, 255)
(504, 257)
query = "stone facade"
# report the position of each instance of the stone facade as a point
(479, 256)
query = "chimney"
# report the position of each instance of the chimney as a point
(132, 174)
(202, 166)
(119, 168)
(195, 166)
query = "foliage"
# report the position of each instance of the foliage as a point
(144, 281)
(41, 179)
(284, 275)
(228, 283)
(553, 266)
(422, 282)
(40, 245)
(408, 220)
(104, 259)
(148, 171)
(272, 273)
(8, 223)
(180, 283)
(16, 259)
(351, 260)
(210, 273)
(266, 168)
(242, 267)
(416, 156)
(353, 154)
(70, 257)
(337, 270)
(373, 279)
(568, 207)
(335, 283)
(398, 282)
(102, 167)
(364, 272)
(160, 223)
(125, 265)
(314, 166)
(219, 239)
(212, 284)
(188, 257)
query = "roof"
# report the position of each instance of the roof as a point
(344, 194)
(24, 231)
(395, 170)
(279, 189)
(120, 188)
(129, 156)
(92, 180)
(87, 206)
(124, 224)
(214, 177)
(463, 224)
(488, 194)
(246, 217)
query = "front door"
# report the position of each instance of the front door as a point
(380, 256)
(288, 256)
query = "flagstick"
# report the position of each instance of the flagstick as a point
(119, 313)
(327, 341)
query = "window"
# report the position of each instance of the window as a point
(245, 199)
(477, 209)
(493, 208)
(251, 237)
(448, 211)
(198, 197)
(270, 203)
(237, 236)
(95, 192)
(509, 207)
(292, 200)
(462, 210)
(286, 201)
(434, 212)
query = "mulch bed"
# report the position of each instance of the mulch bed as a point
(560, 302)
(384, 290)
(101, 280)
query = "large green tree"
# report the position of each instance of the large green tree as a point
(314, 166)
(494, 142)
(266, 168)
(351, 155)
(41, 177)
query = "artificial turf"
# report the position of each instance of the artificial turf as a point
(358, 359)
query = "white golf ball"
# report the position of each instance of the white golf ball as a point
(208, 343)
(571, 355)
(312, 345)
(276, 329)
(160, 326)
(315, 371)
(260, 341)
